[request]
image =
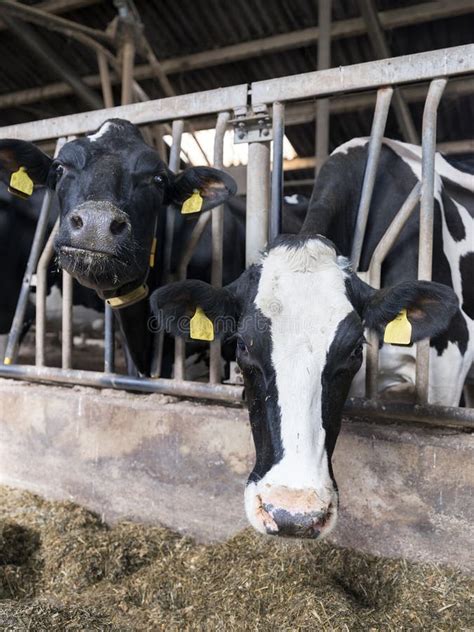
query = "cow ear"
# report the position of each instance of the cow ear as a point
(19, 153)
(174, 306)
(213, 185)
(429, 307)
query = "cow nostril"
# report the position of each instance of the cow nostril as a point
(76, 222)
(117, 227)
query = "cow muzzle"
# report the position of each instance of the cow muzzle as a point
(284, 511)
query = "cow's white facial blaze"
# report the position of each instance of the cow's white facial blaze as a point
(302, 293)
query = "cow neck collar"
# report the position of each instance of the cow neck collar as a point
(131, 293)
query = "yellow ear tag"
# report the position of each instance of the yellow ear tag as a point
(193, 204)
(20, 183)
(398, 331)
(153, 253)
(200, 326)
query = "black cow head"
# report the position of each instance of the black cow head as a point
(298, 318)
(111, 186)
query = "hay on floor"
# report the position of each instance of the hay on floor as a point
(61, 568)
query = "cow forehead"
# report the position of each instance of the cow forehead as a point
(302, 289)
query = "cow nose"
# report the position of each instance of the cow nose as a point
(83, 220)
(303, 525)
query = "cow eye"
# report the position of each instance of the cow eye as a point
(241, 346)
(59, 170)
(158, 179)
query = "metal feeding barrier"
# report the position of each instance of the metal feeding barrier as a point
(258, 123)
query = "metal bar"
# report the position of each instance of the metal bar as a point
(66, 342)
(256, 230)
(218, 392)
(324, 61)
(174, 161)
(425, 249)
(375, 272)
(60, 6)
(128, 60)
(278, 116)
(382, 51)
(366, 76)
(382, 106)
(45, 55)
(105, 80)
(109, 340)
(186, 105)
(217, 231)
(438, 416)
(41, 293)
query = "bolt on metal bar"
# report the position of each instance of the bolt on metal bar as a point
(375, 271)
(324, 62)
(256, 230)
(173, 163)
(278, 116)
(425, 249)
(66, 342)
(217, 231)
(384, 96)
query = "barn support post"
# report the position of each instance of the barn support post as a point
(217, 229)
(375, 270)
(425, 248)
(324, 62)
(258, 188)
(278, 115)
(384, 97)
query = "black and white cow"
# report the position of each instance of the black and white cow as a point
(299, 317)
(113, 190)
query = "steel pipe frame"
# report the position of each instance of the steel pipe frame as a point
(41, 293)
(375, 270)
(275, 219)
(425, 249)
(324, 62)
(258, 184)
(384, 97)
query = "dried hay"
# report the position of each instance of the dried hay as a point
(61, 568)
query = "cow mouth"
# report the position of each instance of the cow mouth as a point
(96, 269)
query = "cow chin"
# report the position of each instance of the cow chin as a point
(100, 271)
(296, 513)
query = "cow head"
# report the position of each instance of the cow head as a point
(298, 318)
(111, 185)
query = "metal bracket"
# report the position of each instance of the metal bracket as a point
(252, 126)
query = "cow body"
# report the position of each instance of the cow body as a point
(333, 211)
(298, 317)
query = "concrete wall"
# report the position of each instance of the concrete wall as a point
(405, 491)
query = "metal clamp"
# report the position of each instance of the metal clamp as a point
(252, 126)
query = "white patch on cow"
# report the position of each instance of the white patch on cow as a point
(302, 292)
(102, 131)
(292, 199)
(354, 142)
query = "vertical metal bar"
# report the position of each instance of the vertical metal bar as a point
(174, 161)
(258, 181)
(278, 115)
(41, 293)
(109, 340)
(425, 250)
(105, 82)
(67, 320)
(384, 96)
(324, 61)
(128, 59)
(375, 274)
(11, 351)
(217, 230)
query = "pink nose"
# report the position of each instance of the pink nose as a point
(292, 512)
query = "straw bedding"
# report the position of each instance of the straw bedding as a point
(61, 568)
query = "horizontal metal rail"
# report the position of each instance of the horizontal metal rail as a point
(446, 62)
(179, 388)
(170, 108)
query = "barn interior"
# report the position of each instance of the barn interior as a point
(165, 467)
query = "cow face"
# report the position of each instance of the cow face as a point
(111, 186)
(298, 318)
